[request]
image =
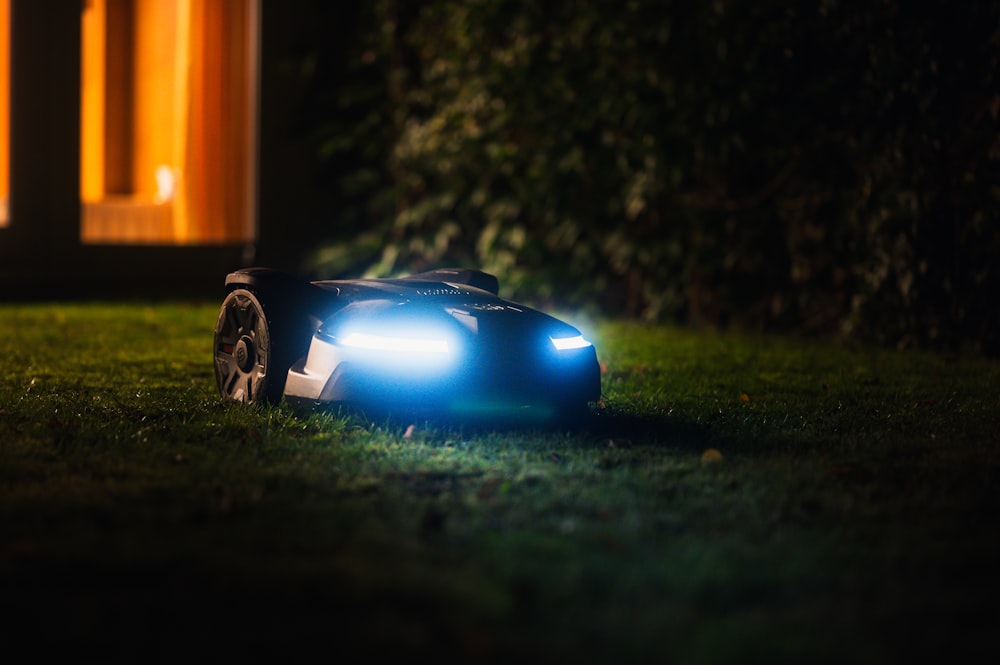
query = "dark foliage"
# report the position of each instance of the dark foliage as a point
(825, 167)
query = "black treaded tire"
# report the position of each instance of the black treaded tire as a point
(255, 345)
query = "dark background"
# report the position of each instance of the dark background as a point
(829, 168)
(824, 169)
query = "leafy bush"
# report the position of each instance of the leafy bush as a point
(820, 168)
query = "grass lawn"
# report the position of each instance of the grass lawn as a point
(733, 499)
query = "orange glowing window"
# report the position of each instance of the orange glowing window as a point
(168, 121)
(4, 110)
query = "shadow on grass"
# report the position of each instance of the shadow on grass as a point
(605, 426)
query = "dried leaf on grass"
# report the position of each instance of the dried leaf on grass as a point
(711, 456)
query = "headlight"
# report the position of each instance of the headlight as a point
(372, 342)
(409, 350)
(567, 343)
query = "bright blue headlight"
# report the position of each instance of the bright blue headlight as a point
(567, 343)
(400, 347)
(416, 345)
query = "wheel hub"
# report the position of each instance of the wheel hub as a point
(244, 354)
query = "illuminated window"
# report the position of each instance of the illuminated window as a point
(168, 121)
(4, 110)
